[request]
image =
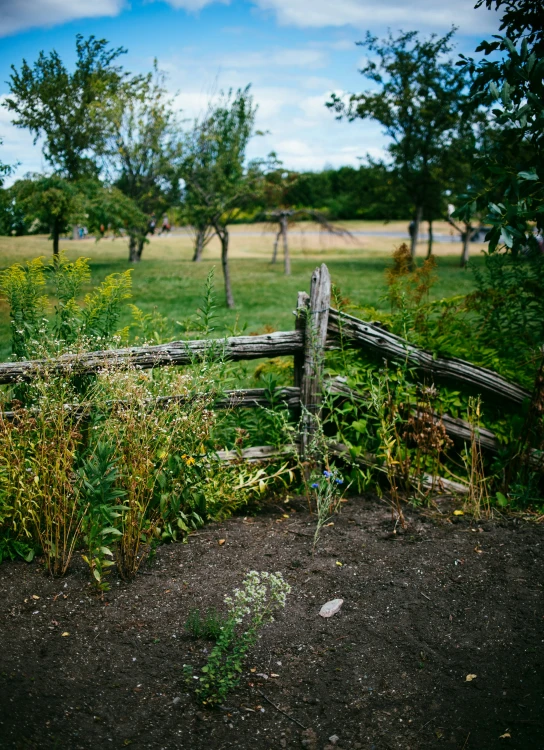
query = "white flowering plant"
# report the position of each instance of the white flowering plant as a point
(248, 609)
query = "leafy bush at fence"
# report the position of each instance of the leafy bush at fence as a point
(499, 326)
(396, 419)
(110, 464)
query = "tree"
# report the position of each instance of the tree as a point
(108, 209)
(283, 218)
(73, 113)
(214, 168)
(69, 110)
(513, 166)
(53, 203)
(144, 150)
(420, 102)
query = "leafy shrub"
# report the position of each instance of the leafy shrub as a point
(116, 462)
(90, 325)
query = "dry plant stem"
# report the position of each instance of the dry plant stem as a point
(477, 501)
(59, 533)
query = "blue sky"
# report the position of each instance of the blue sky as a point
(293, 52)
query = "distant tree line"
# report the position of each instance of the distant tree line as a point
(365, 192)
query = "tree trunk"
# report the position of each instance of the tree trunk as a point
(224, 238)
(199, 245)
(465, 237)
(415, 233)
(430, 242)
(134, 255)
(276, 242)
(286, 256)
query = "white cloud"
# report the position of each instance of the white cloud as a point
(18, 15)
(420, 14)
(366, 13)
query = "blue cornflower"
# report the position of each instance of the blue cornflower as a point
(327, 474)
(339, 481)
(315, 484)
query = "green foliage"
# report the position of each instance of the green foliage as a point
(500, 325)
(130, 465)
(509, 301)
(23, 288)
(100, 508)
(149, 328)
(327, 494)
(386, 416)
(420, 99)
(12, 548)
(38, 464)
(367, 192)
(69, 110)
(5, 170)
(206, 313)
(249, 609)
(92, 324)
(206, 626)
(513, 166)
(49, 203)
(217, 180)
(144, 151)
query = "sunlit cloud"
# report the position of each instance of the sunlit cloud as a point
(19, 15)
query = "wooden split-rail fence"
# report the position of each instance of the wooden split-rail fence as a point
(318, 327)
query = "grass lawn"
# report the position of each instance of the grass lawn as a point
(168, 280)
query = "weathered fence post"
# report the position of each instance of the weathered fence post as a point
(311, 385)
(303, 301)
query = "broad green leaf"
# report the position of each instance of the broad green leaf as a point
(501, 499)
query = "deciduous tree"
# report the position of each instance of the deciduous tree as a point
(70, 110)
(420, 100)
(214, 167)
(144, 150)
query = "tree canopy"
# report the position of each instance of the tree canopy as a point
(512, 167)
(144, 150)
(420, 98)
(69, 110)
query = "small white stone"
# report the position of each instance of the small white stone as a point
(331, 608)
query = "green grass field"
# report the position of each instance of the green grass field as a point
(166, 278)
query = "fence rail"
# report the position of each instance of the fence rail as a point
(372, 337)
(147, 357)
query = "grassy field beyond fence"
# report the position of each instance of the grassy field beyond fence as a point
(166, 278)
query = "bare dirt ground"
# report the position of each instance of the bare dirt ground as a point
(423, 609)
